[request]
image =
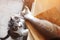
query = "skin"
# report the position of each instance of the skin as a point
(47, 28)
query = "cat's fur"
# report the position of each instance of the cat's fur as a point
(17, 28)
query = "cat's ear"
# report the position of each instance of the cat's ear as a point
(11, 19)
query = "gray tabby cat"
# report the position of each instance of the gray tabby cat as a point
(17, 30)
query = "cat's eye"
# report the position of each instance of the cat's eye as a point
(16, 18)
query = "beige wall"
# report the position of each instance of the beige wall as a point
(42, 5)
(8, 8)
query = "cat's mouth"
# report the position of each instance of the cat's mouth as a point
(16, 28)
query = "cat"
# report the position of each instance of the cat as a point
(17, 29)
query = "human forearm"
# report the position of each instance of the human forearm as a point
(47, 28)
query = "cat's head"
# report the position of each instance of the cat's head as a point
(16, 22)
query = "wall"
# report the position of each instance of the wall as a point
(8, 8)
(48, 9)
(43, 5)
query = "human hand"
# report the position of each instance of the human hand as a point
(26, 13)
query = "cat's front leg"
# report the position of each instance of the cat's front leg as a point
(25, 32)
